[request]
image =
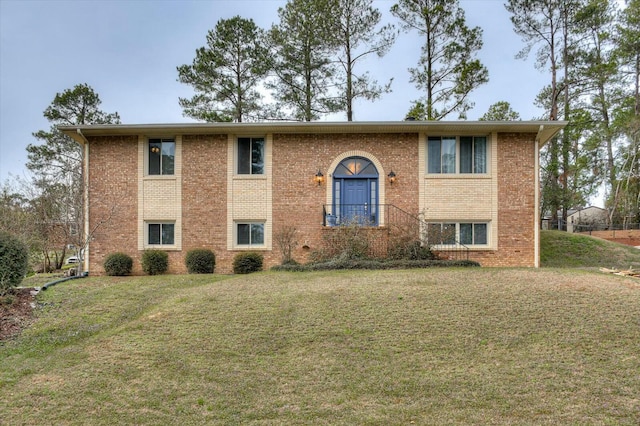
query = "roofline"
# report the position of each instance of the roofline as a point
(544, 130)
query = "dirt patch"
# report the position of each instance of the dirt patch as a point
(16, 311)
(630, 237)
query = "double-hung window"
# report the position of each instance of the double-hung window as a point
(461, 155)
(250, 234)
(161, 234)
(250, 156)
(162, 154)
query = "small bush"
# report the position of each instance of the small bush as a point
(410, 250)
(14, 262)
(155, 262)
(246, 263)
(200, 261)
(118, 264)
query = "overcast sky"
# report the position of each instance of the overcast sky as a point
(128, 51)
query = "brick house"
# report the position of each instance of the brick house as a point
(231, 187)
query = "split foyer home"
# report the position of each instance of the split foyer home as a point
(233, 187)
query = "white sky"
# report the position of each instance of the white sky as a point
(128, 51)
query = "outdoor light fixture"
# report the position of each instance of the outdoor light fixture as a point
(319, 177)
(155, 149)
(392, 177)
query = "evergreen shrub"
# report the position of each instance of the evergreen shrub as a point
(246, 263)
(200, 261)
(14, 262)
(118, 264)
(155, 262)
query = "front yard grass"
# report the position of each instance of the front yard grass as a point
(459, 346)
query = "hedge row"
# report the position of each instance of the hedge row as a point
(198, 261)
(374, 265)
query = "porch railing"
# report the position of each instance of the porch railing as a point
(400, 225)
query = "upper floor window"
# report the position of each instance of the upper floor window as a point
(162, 153)
(450, 154)
(250, 156)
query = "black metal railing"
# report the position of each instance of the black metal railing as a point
(401, 225)
(605, 227)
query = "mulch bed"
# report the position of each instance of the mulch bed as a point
(16, 311)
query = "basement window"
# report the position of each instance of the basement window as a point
(250, 234)
(160, 234)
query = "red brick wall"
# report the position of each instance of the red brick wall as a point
(516, 203)
(204, 197)
(298, 200)
(113, 199)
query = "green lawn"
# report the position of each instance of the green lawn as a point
(458, 346)
(565, 250)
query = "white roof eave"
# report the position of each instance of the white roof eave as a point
(544, 130)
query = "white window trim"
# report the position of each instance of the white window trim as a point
(262, 246)
(457, 174)
(236, 158)
(173, 246)
(146, 157)
(488, 246)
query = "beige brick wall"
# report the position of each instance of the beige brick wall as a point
(462, 198)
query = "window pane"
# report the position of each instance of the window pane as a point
(257, 157)
(466, 154)
(257, 233)
(168, 156)
(155, 147)
(167, 233)
(466, 233)
(480, 155)
(433, 148)
(243, 233)
(244, 156)
(370, 169)
(154, 233)
(449, 155)
(480, 233)
(342, 170)
(448, 233)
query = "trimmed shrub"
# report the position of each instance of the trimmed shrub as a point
(14, 262)
(246, 263)
(338, 264)
(155, 262)
(118, 264)
(200, 261)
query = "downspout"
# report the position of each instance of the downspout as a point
(536, 215)
(85, 177)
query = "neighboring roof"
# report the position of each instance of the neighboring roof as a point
(545, 130)
(587, 209)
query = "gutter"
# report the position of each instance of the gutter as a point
(84, 139)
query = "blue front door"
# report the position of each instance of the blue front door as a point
(355, 192)
(355, 205)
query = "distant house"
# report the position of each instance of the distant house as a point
(587, 219)
(232, 187)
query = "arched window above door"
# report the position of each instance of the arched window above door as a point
(356, 166)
